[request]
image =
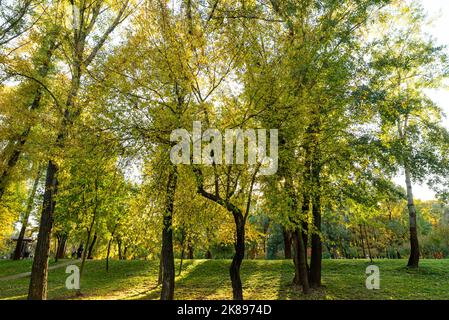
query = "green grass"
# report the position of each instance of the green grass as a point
(208, 279)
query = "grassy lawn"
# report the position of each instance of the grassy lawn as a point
(208, 279)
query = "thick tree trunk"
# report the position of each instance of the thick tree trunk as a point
(287, 244)
(29, 208)
(234, 271)
(300, 242)
(305, 228)
(413, 260)
(316, 245)
(60, 251)
(39, 271)
(168, 272)
(208, 254)
(301, 274)
(161, 271)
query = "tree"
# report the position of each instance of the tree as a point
(406, 62)
(80, 58)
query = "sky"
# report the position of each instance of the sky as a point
(438, 11)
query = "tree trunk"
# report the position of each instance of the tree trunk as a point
(89, 233)
(60, 251)
(39, 272)
(190, 250)
(168, 273)
(363, 242)
(108, 253)
(29, 208)
(208, 254)
(83, 259)
(182, 259)
(125, 252)
(287, 244)
(161, 271)
(368, 243)
(316, 245)
(109, 247)
(119, 247)
(413, 260)
(301, 274)
(300, 241)
(234, 271)
(305, 228)
(91, 247)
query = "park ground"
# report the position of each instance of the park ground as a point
(208, 279)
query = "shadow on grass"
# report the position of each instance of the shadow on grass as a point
(286, 289)
(209, 279)
(199, 279)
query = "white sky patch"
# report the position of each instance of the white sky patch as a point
(132, 169)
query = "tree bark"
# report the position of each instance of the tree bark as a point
(299, 238)
(91, 247)
(363, 241)
(125, 251)
(168, 272)
(182, 260)
(108, 253)
(300, 262)
(190, 251)
(161, 271)
(413, 260)
(39, 272)
(26, 216)
(119, 248)
(287, 244)
(368, 243)
(60, 250)
(316, 244)
(234, 271)
(109, 247)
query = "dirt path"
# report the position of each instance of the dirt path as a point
(27, 274)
